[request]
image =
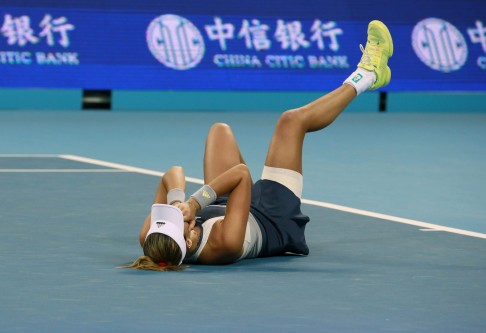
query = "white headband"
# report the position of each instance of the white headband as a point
(168, 220)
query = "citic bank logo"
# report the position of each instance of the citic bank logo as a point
(175, 42)
(439, 45)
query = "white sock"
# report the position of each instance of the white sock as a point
(361, 80)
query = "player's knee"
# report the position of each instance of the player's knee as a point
(220, 128)
(289, 120)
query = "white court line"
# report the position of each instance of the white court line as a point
(425, 225)
(391, 218)
(30, 155)
(123, 167)
(59, 170)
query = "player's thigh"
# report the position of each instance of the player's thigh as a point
(285, 150)
(221, 153)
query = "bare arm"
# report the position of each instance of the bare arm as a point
(226, 240)
(173, 178)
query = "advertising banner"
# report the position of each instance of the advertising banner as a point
(227, 45)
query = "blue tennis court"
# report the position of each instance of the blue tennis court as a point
(99, 98)
(69, 221)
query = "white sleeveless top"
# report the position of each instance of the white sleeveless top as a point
(252, 244)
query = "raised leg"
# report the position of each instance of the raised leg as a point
(221, 152)
(285, 149)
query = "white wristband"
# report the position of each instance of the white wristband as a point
(204, 196)
(176, 194)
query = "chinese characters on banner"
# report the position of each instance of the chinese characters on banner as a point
(287, 36)
(53, 31)
(145, 43)
(288, 33)
(478, 36)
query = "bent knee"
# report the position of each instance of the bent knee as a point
(220, 127)
(220, 132)
(291, 119)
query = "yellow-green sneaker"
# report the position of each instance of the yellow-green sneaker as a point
(379, 48)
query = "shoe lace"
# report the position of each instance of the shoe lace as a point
(371, 55)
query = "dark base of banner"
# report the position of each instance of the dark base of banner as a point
(383, 101)
(97, 100)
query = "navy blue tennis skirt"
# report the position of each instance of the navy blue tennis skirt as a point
(277, 211)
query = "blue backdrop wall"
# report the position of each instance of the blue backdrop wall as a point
(270, 46)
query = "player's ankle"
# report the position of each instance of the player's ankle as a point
(361, 80)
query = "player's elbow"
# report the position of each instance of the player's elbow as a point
(176, 169)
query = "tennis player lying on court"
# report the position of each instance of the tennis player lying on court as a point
(230, 218)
